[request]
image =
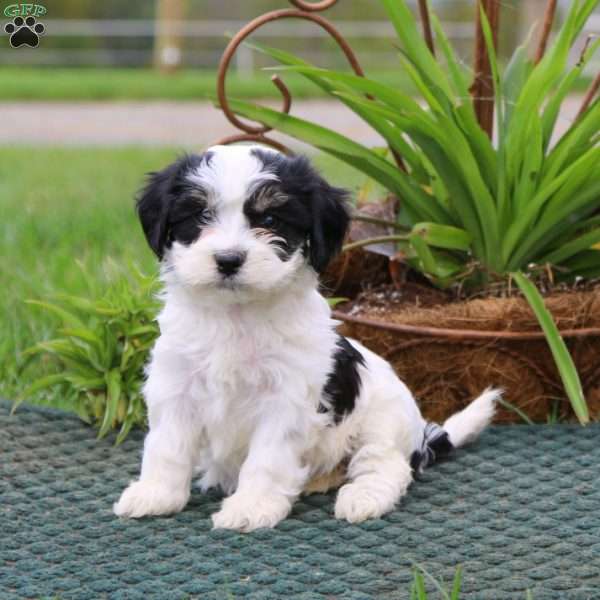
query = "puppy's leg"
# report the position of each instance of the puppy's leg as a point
(379, 472)
(165, 479)
(169, 449)
(379, 475)
(270, 479)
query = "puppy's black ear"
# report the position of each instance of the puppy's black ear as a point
(330, 222)
(153, 209)
(155, 201)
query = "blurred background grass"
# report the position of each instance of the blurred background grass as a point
(82, 84)
(88, 84)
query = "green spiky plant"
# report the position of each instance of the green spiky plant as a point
(421, 576)
(98, 352)
(418, 590)
(474, 211)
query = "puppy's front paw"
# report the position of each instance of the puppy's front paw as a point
(142, 498)
(356, 503)
(243, 512)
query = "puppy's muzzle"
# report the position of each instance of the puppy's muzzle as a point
(229, 263)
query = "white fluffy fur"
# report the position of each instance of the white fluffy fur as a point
(236, 377)
(466, 425)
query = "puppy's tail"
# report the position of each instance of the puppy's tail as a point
(460, 429)
(465, 426)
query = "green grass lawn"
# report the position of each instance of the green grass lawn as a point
(67, 224)
(145, 84)
(87, 84)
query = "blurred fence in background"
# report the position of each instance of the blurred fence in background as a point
(130, 42)
(141, 33)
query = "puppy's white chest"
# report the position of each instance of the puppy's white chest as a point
(241, 364)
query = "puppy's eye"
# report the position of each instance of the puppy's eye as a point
(268, 221)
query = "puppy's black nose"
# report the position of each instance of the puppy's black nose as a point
(228, 263)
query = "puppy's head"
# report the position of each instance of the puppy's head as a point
(242, 220)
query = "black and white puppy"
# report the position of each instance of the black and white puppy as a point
(249, 385)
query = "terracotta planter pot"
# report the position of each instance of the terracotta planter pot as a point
(449, 353)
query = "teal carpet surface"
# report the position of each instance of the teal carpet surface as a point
(520, 510)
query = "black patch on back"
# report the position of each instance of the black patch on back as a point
(315, 216)
(436, 444)
(343, 383)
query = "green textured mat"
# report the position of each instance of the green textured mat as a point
(520, 510)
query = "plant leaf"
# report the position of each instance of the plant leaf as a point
(552, 108)
(569, 249)
(84, 334)
(561, 190)
(113, 387)
(414, 45)
(443, 236)
(456, 584)
(66, 316)
(563, 359)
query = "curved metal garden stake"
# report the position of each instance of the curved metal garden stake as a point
(306, 12)
(482, 89)
(589, 96)
(313, 6)
(546, 29)
(427, 34)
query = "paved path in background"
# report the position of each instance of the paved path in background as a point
(184, 124)
(180, 124)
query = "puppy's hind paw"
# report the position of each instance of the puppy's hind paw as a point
(143, 498)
